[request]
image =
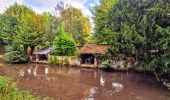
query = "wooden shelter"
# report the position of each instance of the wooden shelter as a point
(42, 54)
(88, 54)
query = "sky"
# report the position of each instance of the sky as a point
(40, 6)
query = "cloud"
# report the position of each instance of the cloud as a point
(46, 5)
(49, 5)
(82, 7)
(6, 3)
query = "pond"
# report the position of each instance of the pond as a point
(64, 83)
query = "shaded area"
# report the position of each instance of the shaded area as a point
(83, 84)
(87, 59)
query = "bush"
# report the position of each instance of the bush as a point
(106, 65)
(9, 91)
(14, 54)
(66, 61)
(161, 68)
(52, 60)
(64, 45)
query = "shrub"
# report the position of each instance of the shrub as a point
(66, 61)
(52, 60)
(9, 91)
(106, 65)
(64, 45)
(161, 68)
(14, 54)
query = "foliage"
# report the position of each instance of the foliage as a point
(66, 61)
(106, 65)
(138, 28)
(64, 45)
(77, 25)
(9, 91)
(52, 60)
(8, 26)
(14, 54)
(28, 30)
(23, 26)
(51, 26)
(101, 12)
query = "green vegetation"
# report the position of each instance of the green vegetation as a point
(101, 12)
(21, 26)
(139, 28)
(75, 23)
(9, 91)
(52, 60)
(14, 54)
(106, 65)
(133, 28)
(64, 45)
(64, 61)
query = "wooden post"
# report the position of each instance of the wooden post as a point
(95, 62)
(48, 55)
(37, 59)
(31, 58)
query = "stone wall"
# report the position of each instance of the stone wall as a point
(72, 60)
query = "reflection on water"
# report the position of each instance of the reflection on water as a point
(35, 71)
(46, 70)
(21, 73)
(85, 84)
(29, 71)
(117, 87)
(102, 81)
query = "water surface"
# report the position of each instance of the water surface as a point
(63, 83)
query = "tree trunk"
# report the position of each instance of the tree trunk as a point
(32, 50)
(26, 50)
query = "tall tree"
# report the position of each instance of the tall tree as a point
(51, 26)
(101, 12)
(141, 28)
(75, 23)
(28, 26)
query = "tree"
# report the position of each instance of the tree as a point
(75, 23)
(141, 28)
(14, 54)
(8, 26)
(64, 45)
(101, 32)
(28, 29)
(51, 26)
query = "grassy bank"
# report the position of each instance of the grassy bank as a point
(9, 91)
